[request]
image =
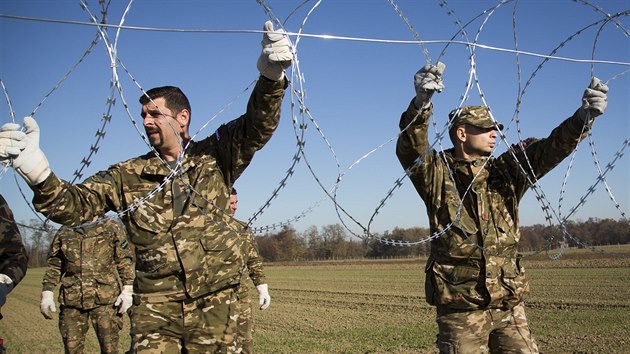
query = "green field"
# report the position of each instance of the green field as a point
(578, 304)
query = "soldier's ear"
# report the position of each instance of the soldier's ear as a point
(183, 117)
(460, 133)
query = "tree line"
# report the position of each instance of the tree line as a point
(333, 242)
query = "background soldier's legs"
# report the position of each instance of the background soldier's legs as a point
(73, 325)
(512, 334)
(131, 340)
(107, 325)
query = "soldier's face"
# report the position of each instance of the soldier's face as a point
(479, 141)
(233, 203)
(160, 125)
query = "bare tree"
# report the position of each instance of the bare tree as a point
(37, 238)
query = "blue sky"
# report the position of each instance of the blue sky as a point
(355, 84)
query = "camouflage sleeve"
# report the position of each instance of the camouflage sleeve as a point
(122, 256)
(414, 136)
(13, 259)
(541, 155)
(239, 139)
(413, 143)
(254, 263)
(55, 262)
(76, 204)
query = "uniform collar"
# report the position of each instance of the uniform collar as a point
(155, 166)
(455, 161)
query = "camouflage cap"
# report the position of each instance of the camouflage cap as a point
(478, 116)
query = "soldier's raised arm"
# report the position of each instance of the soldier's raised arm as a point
(239, 139)
(545, 154)
(413, 139)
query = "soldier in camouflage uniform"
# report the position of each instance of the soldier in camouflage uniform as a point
(13, 259)
(255, 272)
(189, 258)
(473, 274)
(88, 261)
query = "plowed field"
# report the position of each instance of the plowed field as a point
(578, 304)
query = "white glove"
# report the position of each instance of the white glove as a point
(427, 81)
(47, 305)
(6, 285)
(594, 100)
(125, 299)
(11, 141)
(31, 162)
(276, 53)
(263, 296)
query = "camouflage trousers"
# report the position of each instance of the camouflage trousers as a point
(485, 331)
(245, 326)
(202, 325)
(74, 324)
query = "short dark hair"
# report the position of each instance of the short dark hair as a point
(233, 191)
(175, 98)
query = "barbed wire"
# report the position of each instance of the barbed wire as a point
(545, 205)
(302, 116)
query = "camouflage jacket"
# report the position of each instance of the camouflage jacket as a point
(184, 246)
(474, 262)
(83, 260)
(255, 270)
(13, 259)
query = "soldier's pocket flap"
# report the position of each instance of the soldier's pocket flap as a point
(456, 274)
(106, 291)
(462, 220)
(106, 282)
(68, 282)
(71, 247)
(146, 213)
(70, 292)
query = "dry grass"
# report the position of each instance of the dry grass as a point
(579, 304)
